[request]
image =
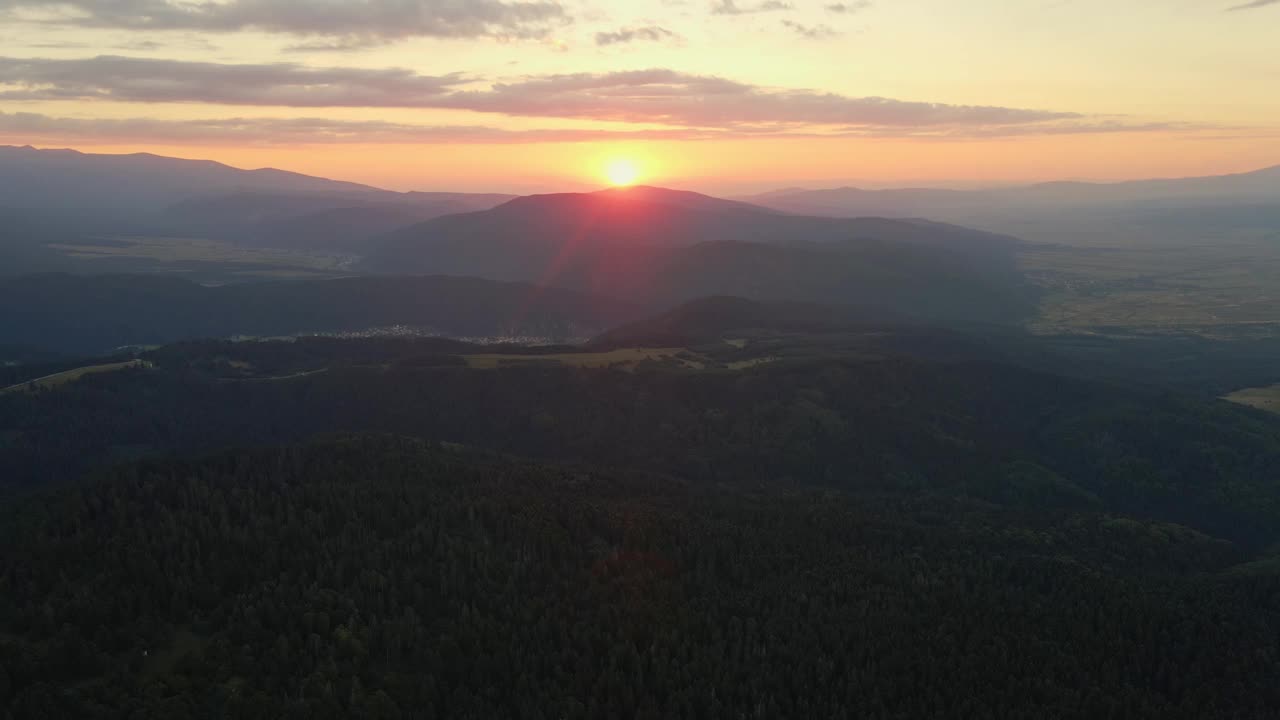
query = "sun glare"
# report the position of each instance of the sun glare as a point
(622, 172)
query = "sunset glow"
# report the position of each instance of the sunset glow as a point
(622, 172)
(724, 96)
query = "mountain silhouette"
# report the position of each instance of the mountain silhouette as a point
(163, 196)
(654, 245)
(36, 179)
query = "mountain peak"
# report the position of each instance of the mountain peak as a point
(32, 150)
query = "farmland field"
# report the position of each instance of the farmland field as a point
(62, 378)
(1212, 289)
(198, 258)
(1263, 398)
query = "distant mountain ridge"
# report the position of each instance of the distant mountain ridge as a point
(1235, 189)
(35, 178)
(265, 207)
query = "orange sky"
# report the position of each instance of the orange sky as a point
(516, 95)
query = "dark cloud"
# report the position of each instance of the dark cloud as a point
(358, 21)
(29, 127)
(628, 35)
(1253, 5)
(731, 7)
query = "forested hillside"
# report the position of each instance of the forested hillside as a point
(805, 520)
(866, 422)
(382, 578)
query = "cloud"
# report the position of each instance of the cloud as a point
(158, 80)
(58, 45)
(674, 98)
(1253, 5)
(655, 96)
(651, 33)
(731, 7)
(813, 32)
(1080, 127)
(141, 45)
(356, 21)
(303, 131)
(30, 127)
(334, 45)
(845, 8)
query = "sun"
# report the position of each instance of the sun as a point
(622, 172)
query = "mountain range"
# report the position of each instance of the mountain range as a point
(50, 179)
(651, 247)
(1260, 186)
(656, 246)
(643, 246)
(200, 198)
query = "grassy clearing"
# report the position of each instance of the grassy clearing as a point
(62, 378)
(627, 358)
(1264, 398)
